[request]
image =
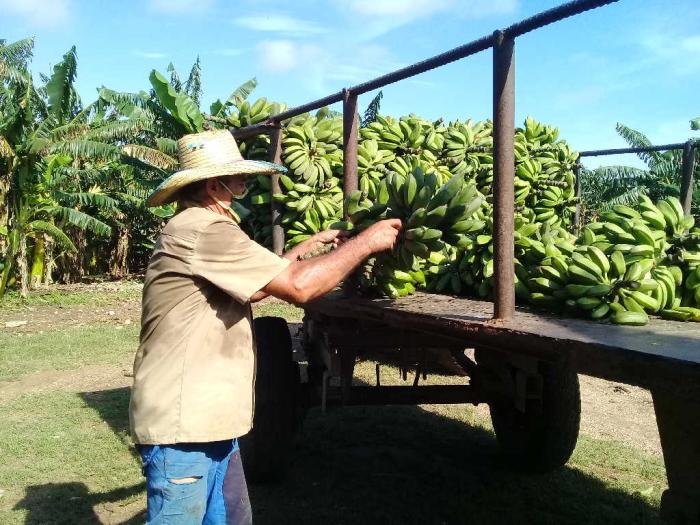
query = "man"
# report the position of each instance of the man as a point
(194, 369)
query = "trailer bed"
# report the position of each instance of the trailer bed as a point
(660, 354)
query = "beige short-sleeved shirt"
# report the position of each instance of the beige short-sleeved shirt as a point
(194, 371)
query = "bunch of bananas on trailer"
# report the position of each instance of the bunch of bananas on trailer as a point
(632, 263)
(437, 178)
(435, 218)
(311, 192)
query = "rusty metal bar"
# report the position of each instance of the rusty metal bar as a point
(350, 182)
(554, 15)
(275, 155)
(504, 174)
(687, 176)
(253, 131)
(644, 149)
(425, 65)
(310, 106)
(350, 124)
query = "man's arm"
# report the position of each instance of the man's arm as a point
(323, 238)
(304, 281)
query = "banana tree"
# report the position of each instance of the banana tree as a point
(609, 185)
(50, 142)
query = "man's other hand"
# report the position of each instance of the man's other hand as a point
(381, 235)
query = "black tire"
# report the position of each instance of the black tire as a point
(544, 436)
(266, 449)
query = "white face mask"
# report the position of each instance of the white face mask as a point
(233, 195)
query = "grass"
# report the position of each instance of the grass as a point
(67, 456)
(126, 291)
(290, 312)
(65, 349)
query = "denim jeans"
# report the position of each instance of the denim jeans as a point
(193, 483)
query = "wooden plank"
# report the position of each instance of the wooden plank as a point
(662, 354)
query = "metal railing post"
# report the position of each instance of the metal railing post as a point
(504, 174)
(350, 125)
(275, 155)
(350, 183)
(687, 175)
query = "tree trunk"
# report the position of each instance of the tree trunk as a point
(72, 264)
(6, 272)
(4, 214)
(49, 263)
(22, 268)
(38, 257)
(119, 267)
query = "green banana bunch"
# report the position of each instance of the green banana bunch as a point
(468, 145)
(310, 150)
(407, 135)
(248, 114)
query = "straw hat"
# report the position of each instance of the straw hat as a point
(204, 156)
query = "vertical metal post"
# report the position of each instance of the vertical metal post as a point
(350, 125)
(275, 155)
(577, 182)
(687, 173)
(350, 183)
(504, 173)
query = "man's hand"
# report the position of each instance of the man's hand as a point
(381, 235)
(337, 237)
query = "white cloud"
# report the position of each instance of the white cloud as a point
(148, 54)
(323, 69)
(691, 44)
(381, 16)
(281, 56)
(38, 13)
(282, 24)
(674, 52)
(180, 6)
(408, 9)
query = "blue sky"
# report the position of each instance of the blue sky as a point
(636, 61)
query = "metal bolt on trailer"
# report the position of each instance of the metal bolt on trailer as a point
(524, 365)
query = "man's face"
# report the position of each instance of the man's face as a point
(225, 188)
(235, 183)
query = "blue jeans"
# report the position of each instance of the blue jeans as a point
(193, 483)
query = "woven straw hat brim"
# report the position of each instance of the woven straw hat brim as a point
(167, 190)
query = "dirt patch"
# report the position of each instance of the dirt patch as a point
(85, 379)
(43, 318)
(621, 412)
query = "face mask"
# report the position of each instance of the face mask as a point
(233, 195)
(228, 208)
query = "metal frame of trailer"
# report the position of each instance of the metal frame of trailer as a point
(522, 363)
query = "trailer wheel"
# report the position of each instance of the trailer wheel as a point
(544, 436)
(266, 449)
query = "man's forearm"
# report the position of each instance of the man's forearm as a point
(315, 277)
(300, 249)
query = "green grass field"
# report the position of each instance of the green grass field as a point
(67, 456)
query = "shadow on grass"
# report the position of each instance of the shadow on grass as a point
(406, 465)
(72, 503)
(403, 465)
